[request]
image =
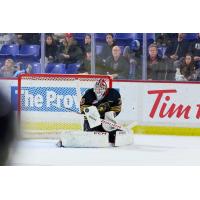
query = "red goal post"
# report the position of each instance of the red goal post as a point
(44, 100)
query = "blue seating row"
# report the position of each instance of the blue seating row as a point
(20, 53)
(60, 68)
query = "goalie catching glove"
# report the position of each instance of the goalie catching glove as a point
(109, 117)
(109, 124)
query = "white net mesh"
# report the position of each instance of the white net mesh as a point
(48, 104)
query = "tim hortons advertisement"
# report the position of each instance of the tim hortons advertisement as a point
(174, 104)
(163, 104)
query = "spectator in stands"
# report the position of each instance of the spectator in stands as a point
(177, 50)
(157, 67)
(20, 68)
(133, 54)
(195, 51)
(87, 43)
(86, 65)
(8, 69)
(116, 65)
(69, 51)
(28, 38)
(186, 72)
(107, 48)
(50, 49)
(58, 37)
(165, 39)
(7, 38)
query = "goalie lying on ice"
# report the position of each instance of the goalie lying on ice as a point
(108, 103)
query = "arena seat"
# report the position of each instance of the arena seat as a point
(72, 68)
(191, 36)
(122, 49)
(58, 69)
(99, 49)
(36, 68)
(28, 52)
(79, 36)
(9, 50)
(100, 36)
(151, 36)
(139, 36)
(49, 67)
(124, 39)
(124, 36)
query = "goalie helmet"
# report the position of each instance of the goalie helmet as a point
(100, 89)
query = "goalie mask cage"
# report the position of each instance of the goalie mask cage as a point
(44, 100)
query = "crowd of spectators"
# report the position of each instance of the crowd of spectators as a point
(170, 56)
(12, 69)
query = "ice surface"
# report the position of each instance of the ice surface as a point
(147, 150)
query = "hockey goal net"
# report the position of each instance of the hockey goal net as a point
(48, 103)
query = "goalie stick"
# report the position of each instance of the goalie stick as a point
(117, 126)
(114, 125)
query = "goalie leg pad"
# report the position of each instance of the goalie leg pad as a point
(84, 139)
(123, 138)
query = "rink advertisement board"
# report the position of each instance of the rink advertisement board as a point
(41, 99)
(161, 107)
(52, 99)
(157, 107)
